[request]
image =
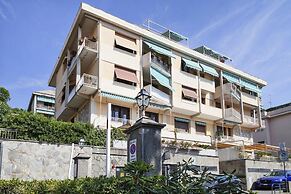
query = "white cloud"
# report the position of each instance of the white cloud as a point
(6, 10)
(28, 82)
(219, 22)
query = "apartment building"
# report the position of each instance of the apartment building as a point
(194, 92)
(277, 126)
(42, 102)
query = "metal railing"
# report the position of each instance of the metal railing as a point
(8, 133)
(160, 64)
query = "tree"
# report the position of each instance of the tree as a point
(4, 95)
(4, 98)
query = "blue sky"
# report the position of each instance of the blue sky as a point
(255, 34)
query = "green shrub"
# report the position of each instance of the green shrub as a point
(40, 128)
(184, 180)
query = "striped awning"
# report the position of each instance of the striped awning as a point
(192, 64)
(209, 70)
(162, 79)
(189, 93)
(159, 49)
(45, 99)
(231, 77)
(250, 86)
(182, 120)
(125, 75)
(129, 99)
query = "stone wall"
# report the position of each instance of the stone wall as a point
(251, 170)
(28, 160)
(178, 155)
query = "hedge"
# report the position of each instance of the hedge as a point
(40, 128)
(184, 180)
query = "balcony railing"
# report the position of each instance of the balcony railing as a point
(160, 64)
(158, 94)
(232, 115)
(249, 119)
(91, 50)
(228, 89)
(87, 84)
(45, 107)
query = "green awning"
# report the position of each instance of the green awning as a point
(174, 36)
(182, 120)
(48, 112)
(45, 99)
(129, 99)
(250, 86)
(231, 77)
(118, 97)
(192, 64)
(209, 70)
(160, 49)
(162, 79)
(200, 123)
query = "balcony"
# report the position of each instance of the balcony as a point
(87, 53)
(149, 60)
(229, 90)
(207, 85)
(63, 82)
(210, 112)
(232, 115)
(170, 135)
(121, 122)
(85, 87)
(158, 95)
(250, 122)
(64, 112)
(249, 99)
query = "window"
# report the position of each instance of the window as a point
(153, 116)
(63, 93)
(125, 43)
(203, 100)
(188, 69)
(189, 94)
(182, 125)
(200, 127)
(225, 131)
(120, 112)
(125, 76)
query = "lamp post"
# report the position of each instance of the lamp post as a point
(143, 100)
(144, 137)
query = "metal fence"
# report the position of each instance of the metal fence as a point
(8, 133)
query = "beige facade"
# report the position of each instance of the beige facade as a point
(108, 60)
(277, 126)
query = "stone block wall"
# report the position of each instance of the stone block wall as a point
(29, 160)
(251, 170)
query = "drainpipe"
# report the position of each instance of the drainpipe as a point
(199, 97)
(222, 95)
(259, 111)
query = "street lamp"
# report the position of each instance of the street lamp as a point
(143, 100)
(82, 143)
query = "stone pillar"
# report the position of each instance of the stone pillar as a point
(144, 144)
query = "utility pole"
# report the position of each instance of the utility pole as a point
(108, 140)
